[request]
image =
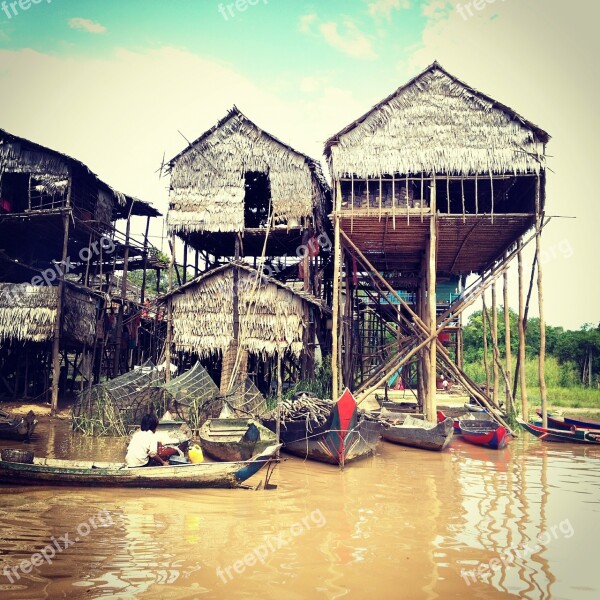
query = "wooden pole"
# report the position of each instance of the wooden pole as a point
(485, 345)
(143, 294)
(507, 348)
(279, 399)
(521, 361)
(119, 329)
(430, 412)
(169, 336)
(495, 371)
(59, 306)
(538, 251)
(335, 334)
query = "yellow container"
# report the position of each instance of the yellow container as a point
(195, 454)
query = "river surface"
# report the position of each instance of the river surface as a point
(466, 523)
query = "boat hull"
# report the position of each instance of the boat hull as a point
(437, 438)
(17, 428)
(226, 441)
(576, 436)
(56, 472)
(484, 433)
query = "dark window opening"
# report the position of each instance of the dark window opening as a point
(257, 200)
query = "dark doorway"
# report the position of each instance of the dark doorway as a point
(257, 200)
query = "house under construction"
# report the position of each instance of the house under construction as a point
(435, 183)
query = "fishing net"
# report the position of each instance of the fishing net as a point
(193, 396)
(246, 399)
(114, 407)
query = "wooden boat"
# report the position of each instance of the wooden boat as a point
(554, 422)
(484, 433)
(575, 436)
(234, 439)
(344, 436)
(441, 416)
(17, 428)
(51, 471)
(589, 424)
(419, 433)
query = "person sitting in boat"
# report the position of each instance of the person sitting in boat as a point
(143, 447)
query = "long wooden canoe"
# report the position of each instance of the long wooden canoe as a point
(51, 471)
(575, 436)
(419, 433)
(233, 439)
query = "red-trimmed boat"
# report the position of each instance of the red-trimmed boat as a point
(575, 436)
(441, 417)
(345, 436)
(482, 432)
(554, 422)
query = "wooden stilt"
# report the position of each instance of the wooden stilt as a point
(144, 274)
(337, 250)
(485, 345)
(119, 328)
(169, 335)
(494, 329)
(521, 360)
(59, 306)
(430, 411)
(507, 348)
(538, 251)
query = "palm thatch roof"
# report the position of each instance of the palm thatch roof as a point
(437, 124)
(52, 169)
(271, 314)
(208, 178)
(28, 313)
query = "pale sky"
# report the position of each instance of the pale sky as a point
(111, 83)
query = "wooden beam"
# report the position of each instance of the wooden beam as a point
(507, 349)
(337, 250)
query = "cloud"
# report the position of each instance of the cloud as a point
(306, 22)
(86, 25)
(350, 40)
(385, 7)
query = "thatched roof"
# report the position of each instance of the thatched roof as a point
(208, 178)
(20, 155)
(272, 316)
(437, 124)
(28, 313)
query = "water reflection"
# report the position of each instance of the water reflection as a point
(405, 523)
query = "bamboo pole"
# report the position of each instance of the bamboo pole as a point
(521, 360)
(119, 329)
(500, 367)
(507, 349)
(485, 345)
(538, 251)
(430, 412)
(144, 275)
(279, 399)
(337, 250)
(494, 330)
(59, 305)
(169, 336)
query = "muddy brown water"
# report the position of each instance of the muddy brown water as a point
(465, 523)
